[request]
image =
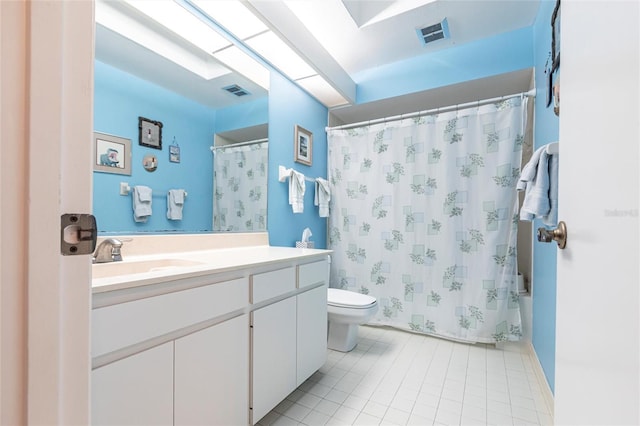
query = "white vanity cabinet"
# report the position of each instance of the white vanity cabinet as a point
(211, 375)
(136, 391)
(180, 357)
(289, 336)
(311, 319)
(273, 340)
(220, 347)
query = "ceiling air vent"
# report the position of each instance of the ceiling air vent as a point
(433, 32)
(234, 89)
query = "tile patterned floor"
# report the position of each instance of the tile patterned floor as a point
(398, 378)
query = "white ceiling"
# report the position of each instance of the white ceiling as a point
(119, 51)
(345, 38)
(340, 39)
(365, 34)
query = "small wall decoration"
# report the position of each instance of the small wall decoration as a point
(149, 133)
(150, 162)
(303, 146)
(111, 154)
(174, 152)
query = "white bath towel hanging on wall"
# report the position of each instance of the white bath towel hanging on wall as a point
(539, 181)
(322, 197)
(141, 203)
(175, 202)
(296, 187)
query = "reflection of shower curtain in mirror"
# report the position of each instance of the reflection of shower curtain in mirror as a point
(240, 188)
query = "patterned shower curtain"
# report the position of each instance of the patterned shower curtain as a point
(424, 218)
(240, 188)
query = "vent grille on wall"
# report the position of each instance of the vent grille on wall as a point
(234, 89)
(433, 32)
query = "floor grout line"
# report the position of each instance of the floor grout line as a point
(385, 370)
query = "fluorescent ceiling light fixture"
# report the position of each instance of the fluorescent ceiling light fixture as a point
(233, 16)
(241, 62)
(113, 19)
(319, 88)
(368, 13)
(182, 22)
(280, 55)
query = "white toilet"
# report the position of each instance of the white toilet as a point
(346, 311)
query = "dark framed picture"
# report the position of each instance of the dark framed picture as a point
(303, 146)
(555, 37)
(111, 154)
(149, 133)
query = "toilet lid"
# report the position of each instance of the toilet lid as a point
(338, 297)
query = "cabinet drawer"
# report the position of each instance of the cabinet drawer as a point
(312, 273)
(125, 324)
(271, 284)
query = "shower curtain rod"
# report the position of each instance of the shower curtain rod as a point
(231, 145)
(530, 93)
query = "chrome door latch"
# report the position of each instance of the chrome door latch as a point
(559, 235)
(78, 234)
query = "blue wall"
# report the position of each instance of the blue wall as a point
(290, 106)
(119, 99)
(495, 55)
(243, 115)
(544, 255)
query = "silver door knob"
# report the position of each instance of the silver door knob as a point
(559, 235)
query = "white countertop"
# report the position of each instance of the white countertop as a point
(208, 262)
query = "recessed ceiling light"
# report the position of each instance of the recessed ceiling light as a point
(319, 88)
(233, 16)
(280, 55)
(115, 20)
(241, 62)
(183, 23)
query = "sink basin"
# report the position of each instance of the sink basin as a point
(112, 269)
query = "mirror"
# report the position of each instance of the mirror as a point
(202, 104)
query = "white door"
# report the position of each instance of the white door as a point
(47, 120)
(597, 357)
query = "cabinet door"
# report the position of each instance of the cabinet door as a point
(311, 332)
(137, 390)
(212, 375)
(273, 355)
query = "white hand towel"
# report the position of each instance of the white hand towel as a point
(539, 181)
(296, 191)
(141, 203)
(175, 202)
(296, 187)
(322, 197)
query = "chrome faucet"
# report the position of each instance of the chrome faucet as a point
(108, 251)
